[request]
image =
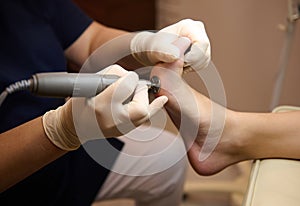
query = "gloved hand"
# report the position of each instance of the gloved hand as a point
(150, 48)
(109, 114)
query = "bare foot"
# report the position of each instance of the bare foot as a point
(198, 119)
(227, 152)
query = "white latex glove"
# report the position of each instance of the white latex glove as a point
(105, 115)
(151, 48)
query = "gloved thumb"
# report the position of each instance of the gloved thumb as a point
(120, 90)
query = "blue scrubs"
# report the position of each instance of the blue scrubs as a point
(33, 37)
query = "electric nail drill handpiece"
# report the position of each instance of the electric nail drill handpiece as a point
(63, 84)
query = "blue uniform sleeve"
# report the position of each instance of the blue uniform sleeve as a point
(67, 20)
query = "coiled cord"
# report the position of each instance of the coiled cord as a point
(15, 87)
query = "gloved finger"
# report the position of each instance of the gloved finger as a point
(120, 90)
(163, 49)
(194, 30)
(198, 56)
(114, 69)
(141, 94)
(182, 44)
(157, 104)
(151, 48)
(137, 108)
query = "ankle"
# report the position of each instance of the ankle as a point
(239, 135)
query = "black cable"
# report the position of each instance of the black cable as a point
(15, 87)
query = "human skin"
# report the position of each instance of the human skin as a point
(26, 148)
(243, 135)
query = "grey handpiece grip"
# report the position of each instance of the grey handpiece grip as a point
(63, 84)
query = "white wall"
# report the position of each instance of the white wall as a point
(246, 45)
